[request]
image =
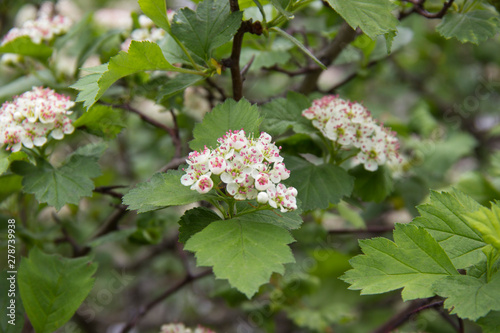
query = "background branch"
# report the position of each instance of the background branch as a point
(170, 291)
(344, 37)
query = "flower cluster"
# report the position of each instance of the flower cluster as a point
(350, 125)
(43, 29)
(180, 328)
(32, 116)
(250, 169)
(147, 31)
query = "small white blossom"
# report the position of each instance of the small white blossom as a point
(350, 125)
(31, 117)
(249, 168)
(147, 31)
(43, 29)
(181, 328)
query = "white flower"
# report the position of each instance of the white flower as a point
(43, 28)
(145, 22)
(248, 168)
(31, 117)
(204, 184)
(350, 125)
(147, 32)
(262, 181)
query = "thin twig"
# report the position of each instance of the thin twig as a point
(300, 71)
(176, 287)
(247, 66)
(418, 7)
(143, 260)
(173, 164)
(445, 315)
(111, 223)
(171, 131)
(178, 147)
(405, 315)
(353, 76)
(78, 251)
(344, 37)
(234, 59)
(108, 190)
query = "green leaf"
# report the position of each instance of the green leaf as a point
(372, 185)
(475, 26)
(289, 220)
(490, 323)
(24, 46)
(487, 223)
(281, 6)
(89, 86)
(374, 17)
(469, 297)
(163, 190)
(389, 38)
(194, 221)
(174, 53)
(156, 10)
(102, 121)
(177, 84)
(141, 56)
(52, 288)
(230, 115)
(282, 114)
(211, 26)
(245, 253)
(318, 186)
(444, 218)
(10, 184)
(6, 158)
(12, 320)
(414, 261)
(66, 184)
(299, 45)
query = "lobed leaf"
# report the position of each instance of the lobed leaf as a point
(444, 218)
(487, 223)
(245, 253)
(230, 115)
(469, 297)
(52, 288)
(141, 56)
(414, 261)
(194, 221)
(475, 26)
(65, 184)
(210, 26)
(374, 17)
